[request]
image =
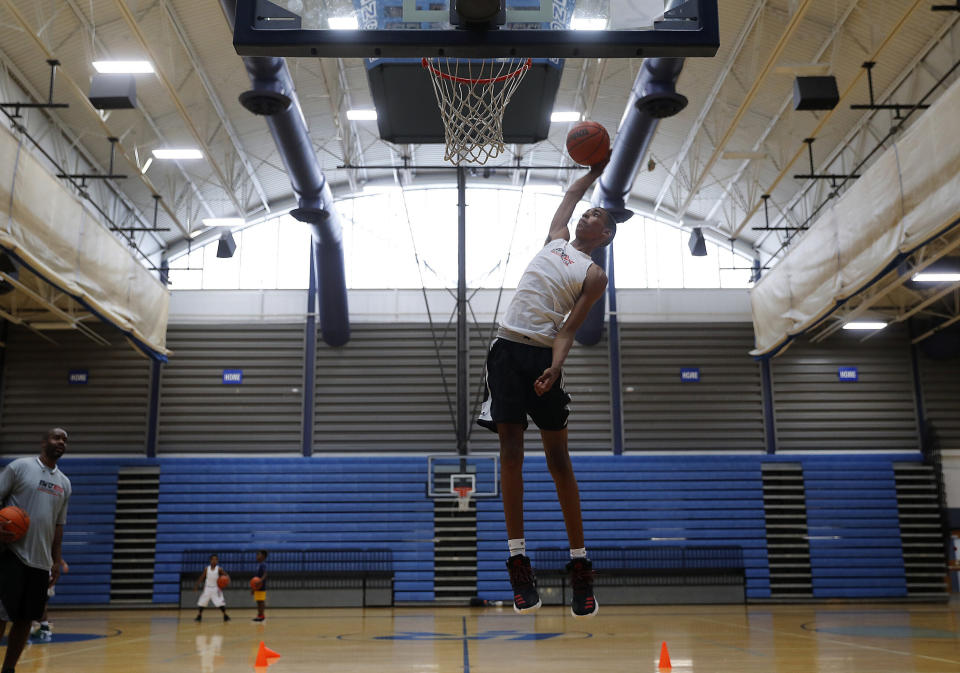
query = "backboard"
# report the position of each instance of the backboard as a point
(423, 28)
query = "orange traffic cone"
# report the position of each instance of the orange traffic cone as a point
(264, 653)
(664, 656)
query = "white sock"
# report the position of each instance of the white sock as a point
(517, 546)
(578, 553)
(44, 623)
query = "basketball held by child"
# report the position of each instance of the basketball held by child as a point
(255, 583)
(223, 581)
(588, 143)
(14, 523)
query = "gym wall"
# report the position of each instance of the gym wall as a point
(106, 414)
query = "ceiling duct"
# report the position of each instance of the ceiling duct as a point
(654, 97)
(274, 97)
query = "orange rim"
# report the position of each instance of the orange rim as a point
(488, 80)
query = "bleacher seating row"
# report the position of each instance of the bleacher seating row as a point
(380, 502)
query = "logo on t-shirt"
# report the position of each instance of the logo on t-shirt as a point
(564, 257)
(51, 488)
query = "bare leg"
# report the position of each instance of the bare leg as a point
(558, 461)
(511, 476)
(19, 632)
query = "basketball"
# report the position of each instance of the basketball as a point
(255, 583)
(14, 522)
(588, 143)
(223, 581)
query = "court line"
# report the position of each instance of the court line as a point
(835, 642)
(466, 648)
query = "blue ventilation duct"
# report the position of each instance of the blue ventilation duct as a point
(274, 97)
(654, 97)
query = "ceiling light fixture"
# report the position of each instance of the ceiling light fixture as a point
(362, 115)
(928, 277)
(123, 67)
(864, 325)
(566, 116)
(182, 153)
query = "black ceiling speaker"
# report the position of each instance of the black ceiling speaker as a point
(227, 245)
(815, 93)
(698, 245)
(113, 91)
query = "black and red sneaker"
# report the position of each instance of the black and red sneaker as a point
(526, 598)
(584, 603)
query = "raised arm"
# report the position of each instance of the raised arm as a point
(561, 219)
(593, 286)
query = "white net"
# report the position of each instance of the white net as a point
(473, 95)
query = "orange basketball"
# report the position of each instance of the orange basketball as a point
(256, 583)
(588, 143)
(14, 522)
(223, 581)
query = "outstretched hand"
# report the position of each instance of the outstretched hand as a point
(597, 169)
(546, 380)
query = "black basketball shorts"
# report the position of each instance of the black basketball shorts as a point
(512, 369)
(23, 588)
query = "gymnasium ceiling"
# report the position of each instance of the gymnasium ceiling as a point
(738, 139)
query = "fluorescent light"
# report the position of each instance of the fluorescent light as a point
(223, 221)
(197, 232)
(864, 325)
(123, 67)
(343, 22)
(362, 115)
(927, 277)
(581, 23)
(565, 116)
(172, 153)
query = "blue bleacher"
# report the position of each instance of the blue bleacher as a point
(380, 502)
(296, 503)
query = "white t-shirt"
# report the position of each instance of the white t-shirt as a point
(547, 291)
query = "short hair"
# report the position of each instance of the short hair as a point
(611, 224)
(264, 552)
(215, 556)
(50, 432)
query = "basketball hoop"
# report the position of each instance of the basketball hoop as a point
(463, 498)
(473, 95)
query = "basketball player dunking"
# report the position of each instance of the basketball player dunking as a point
(524, 378)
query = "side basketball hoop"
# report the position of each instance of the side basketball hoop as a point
(463, 498)
(473, 94)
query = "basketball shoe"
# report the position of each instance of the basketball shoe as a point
(583, 604)
(526, 598)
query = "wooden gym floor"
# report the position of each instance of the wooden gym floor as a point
(847, 638)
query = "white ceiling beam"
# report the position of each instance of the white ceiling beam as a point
(85, 103)
(771, 125)
(224, 183)
(217, 105)
(748, 27)
(795, 21)
(829, 114)
(919, 62)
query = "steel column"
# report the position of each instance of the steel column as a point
(463, 391)
(310, 357)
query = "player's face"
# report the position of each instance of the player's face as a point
(55, 445)
(213, 561)
(592, 224)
